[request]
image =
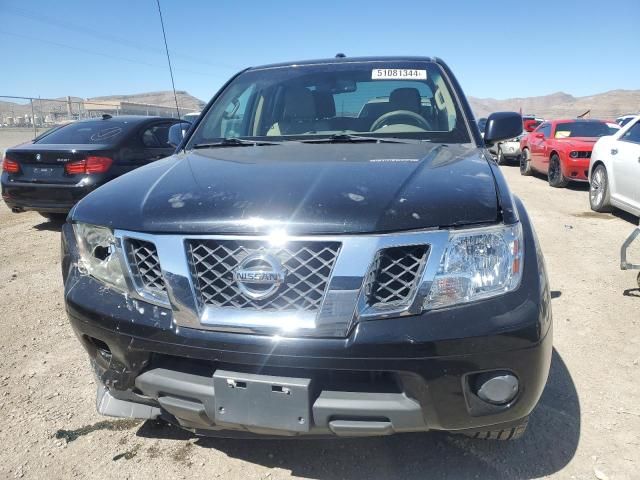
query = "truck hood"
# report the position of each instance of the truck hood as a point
(302, 189)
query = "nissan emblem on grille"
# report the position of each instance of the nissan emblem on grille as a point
(259, 275)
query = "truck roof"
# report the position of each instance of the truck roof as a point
(324, 61)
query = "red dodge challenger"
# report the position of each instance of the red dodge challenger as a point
(561, 149)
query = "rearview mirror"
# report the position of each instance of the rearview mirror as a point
(501, 126)
(177, 132)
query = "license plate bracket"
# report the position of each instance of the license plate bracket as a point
(262, 401)
(43, 171)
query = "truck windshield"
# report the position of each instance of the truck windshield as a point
(377, 98)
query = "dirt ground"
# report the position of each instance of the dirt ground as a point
(586, 426)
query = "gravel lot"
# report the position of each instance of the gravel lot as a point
(586, 426)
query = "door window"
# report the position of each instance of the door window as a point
(157, 136)
(633, 134)
(545, 129)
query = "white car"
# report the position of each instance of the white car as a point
(614, 171)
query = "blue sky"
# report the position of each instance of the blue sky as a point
(90, 48)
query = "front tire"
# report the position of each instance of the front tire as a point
(500, 157)
(599, 198)
(554, 175)
(525, 163)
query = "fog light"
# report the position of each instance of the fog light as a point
(497, 389)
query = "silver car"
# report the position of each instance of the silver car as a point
(509, 150)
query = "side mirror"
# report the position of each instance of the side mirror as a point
(177, 132)
(539, 135)
(502, 126)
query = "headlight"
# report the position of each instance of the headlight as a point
(478, 264)
(573, 154)
(98, 255)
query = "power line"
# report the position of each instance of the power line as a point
(164, 35)
(76, 28)
(93, 52)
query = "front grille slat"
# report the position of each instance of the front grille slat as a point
(145, 264)
(308, 266)
(394, 275)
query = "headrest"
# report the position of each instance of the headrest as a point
(298, 104)
(405, 99)
(325, 106)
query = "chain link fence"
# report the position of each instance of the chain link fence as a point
(24, 118)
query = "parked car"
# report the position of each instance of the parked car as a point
(191, 116)
(508, 151)
(55, 170)
(292, 270)
(614, 171)
(530, 122)
(561, 149)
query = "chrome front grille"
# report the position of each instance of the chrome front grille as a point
(314, 286)
(307, 264)
(145, 265)
(395, 275)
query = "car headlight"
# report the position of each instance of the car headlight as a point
(478, 264)
(98, 254)
(574, 154)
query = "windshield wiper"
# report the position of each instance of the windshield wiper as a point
(235, 142)
(348, 138)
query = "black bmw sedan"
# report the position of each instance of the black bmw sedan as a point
(54, 171)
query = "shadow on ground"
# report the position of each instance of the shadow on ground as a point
(54, 225)
(548, 445)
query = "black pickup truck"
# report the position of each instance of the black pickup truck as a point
(331, 251)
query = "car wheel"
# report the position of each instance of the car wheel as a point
(512, 433)
(525, 163)
(599, 190)
(500, 157)
(54, 217)
(555, 176)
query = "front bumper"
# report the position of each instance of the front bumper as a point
(510, 149)
(42, 197)
(576, 169)
(413, 373)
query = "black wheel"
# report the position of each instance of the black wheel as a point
(54, 217)
(599, 190)
(525, 163)
(512, 433)
(500, 157)
(555, 176)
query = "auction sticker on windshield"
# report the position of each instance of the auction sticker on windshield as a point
(398, 74)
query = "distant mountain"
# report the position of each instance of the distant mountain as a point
(164, 98)
(608, 105)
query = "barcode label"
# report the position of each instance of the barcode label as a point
(398, 74)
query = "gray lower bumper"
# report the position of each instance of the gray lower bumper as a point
(265, 405)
